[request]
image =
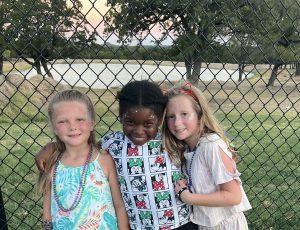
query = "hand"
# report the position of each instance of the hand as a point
(43, 155)
(181, 185)
(39, 161)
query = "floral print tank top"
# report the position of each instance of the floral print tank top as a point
(95, 210)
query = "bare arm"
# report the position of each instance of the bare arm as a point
(228, 195)
(43, 154)
(47, 206)
(111, 173)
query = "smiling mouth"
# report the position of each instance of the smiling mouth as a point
(179, 130)
(75, 135)
(138, 138)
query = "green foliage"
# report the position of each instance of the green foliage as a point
(6, 54)
(44, 30)
(233, 31)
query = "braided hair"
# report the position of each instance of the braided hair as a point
(142, 94)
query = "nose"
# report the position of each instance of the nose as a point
(139, 129)
(72, 125)
(177, 121)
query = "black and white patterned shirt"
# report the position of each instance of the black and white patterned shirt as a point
(146, 177)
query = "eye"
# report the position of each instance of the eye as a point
(61, 122)
(149, 124)
(170, 117)
(128, 122)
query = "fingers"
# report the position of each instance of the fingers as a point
(180, 184)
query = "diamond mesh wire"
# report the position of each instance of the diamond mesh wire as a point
(244, 56)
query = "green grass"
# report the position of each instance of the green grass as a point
(268, 146)
(10, 66)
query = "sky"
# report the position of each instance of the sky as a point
(96, 9)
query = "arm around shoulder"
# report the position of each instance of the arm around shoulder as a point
(43, 155)
(109, 168)
(47, 219)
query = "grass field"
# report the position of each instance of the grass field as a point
(265, 124)
(11, 66)
(270, 170)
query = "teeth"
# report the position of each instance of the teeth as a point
(179, 130)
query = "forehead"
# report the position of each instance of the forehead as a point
(70, 107)
(140, 114)
(180, 102)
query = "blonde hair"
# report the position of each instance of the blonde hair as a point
(207, 122)
(44, 181)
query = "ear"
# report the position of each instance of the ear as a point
(53, 128)
(54, 132)
(93, 125)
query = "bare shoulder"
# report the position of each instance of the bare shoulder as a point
(228, 162)
(105, 156)
(106, 161)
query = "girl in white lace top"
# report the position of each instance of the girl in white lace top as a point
(193, 137)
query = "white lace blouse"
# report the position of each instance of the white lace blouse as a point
(208, 172)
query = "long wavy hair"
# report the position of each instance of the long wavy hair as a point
(207, 122)
(44, 181)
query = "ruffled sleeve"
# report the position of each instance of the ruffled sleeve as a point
(215, 163)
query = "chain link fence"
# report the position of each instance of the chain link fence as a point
(244, 55)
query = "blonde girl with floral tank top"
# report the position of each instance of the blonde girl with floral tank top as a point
(79, 183)
(95, 209)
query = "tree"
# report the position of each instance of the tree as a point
(297, 66)
(258, 29)
(273, 30)
(40, 28)
(4, 12)
(194, 26)
(241, 30)
(282, 40)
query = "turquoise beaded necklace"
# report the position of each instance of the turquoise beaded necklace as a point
(81, 183)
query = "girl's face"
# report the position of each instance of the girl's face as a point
(71, 123)
(140, 124)
(182, 120)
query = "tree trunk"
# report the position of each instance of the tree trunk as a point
(241, 71)
(297, 68)
(273, 75)
(37, 65)
(1, 63)
(241, 59)
(2, 49)
(188, 67)
(196, 72)
(44, 64)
